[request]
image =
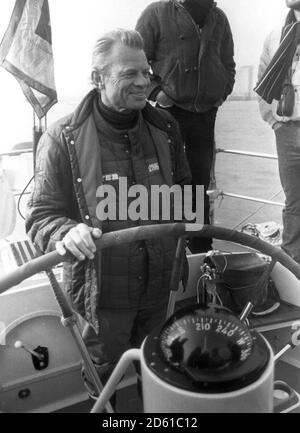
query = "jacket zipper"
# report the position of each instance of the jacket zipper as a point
(198, 32)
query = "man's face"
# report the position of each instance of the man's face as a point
(293, 4)
(127, 79)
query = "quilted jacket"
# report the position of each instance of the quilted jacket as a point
(67, 175)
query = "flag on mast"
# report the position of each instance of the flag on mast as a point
(26, 52)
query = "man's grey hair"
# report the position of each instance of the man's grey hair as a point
(105, 44)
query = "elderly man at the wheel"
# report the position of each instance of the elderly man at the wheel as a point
(113, 135)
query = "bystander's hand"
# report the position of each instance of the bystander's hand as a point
(163, 100)
(277, 125)
(80, 242)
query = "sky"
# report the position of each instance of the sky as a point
(76, 24)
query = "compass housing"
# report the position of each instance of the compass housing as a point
(207, 349)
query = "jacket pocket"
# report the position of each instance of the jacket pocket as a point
(216, 84)
(180, 83)
(214, 75)
(172, 72)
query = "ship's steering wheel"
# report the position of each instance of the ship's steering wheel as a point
(47, 261)
(177, 230)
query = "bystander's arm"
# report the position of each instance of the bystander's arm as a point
(227, 56)
(182, 175)
(266, 110)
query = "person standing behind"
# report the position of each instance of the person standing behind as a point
(279, 89)
(189, 46)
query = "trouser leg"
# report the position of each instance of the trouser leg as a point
(107, 347)
(198, 131)
(146, 320)
(288, 149)
(121, 330)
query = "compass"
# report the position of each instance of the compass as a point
(206, 348)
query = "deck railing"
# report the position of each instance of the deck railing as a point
(15, 153)
(214, 193)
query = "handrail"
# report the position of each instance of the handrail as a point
(15, 152)
(243, 153)
(272, 203)
(214, 193)
(16, 192)
(19, 194)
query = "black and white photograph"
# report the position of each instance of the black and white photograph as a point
(149, 209)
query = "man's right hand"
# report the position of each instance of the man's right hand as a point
(163, 100)
(80, 242)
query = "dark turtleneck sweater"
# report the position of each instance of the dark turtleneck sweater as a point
(119, 120)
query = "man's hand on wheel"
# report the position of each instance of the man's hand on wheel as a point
(80, 242)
